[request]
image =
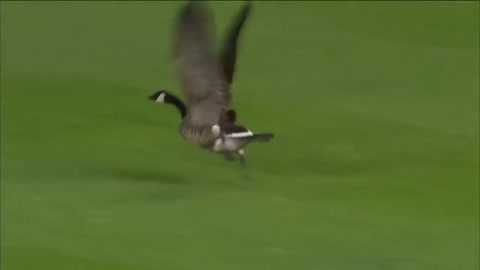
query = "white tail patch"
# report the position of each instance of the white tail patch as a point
(240, 134)
(161, 98)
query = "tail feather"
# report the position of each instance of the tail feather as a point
(263, 137)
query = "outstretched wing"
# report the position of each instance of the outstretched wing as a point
(196, 65)
(228, 55)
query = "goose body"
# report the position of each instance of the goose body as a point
(229, 137)
(207, 118)
(202, 135)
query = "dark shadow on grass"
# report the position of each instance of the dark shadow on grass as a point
(161, 177)
(341, 168)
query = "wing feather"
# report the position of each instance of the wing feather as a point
(230, 45)
(228, 58)
(196, 65)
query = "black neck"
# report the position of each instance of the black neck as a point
(179, 104)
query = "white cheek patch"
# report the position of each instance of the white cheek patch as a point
(240, 134)
(161, 98)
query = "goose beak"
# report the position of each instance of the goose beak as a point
(153, 97)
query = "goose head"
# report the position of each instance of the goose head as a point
(163, 96)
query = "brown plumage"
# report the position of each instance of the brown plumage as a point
(208, 119)
(197, 67)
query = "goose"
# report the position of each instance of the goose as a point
(207, 118)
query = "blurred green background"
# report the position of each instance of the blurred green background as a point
(375, 165)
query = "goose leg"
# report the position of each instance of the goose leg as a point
(243, 162)
(229, 156)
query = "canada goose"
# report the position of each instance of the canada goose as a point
(207, 118)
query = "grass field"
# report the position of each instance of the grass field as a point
(374, 167)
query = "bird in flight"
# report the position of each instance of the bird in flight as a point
(207, 116)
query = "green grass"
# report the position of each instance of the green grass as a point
(375, 165)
